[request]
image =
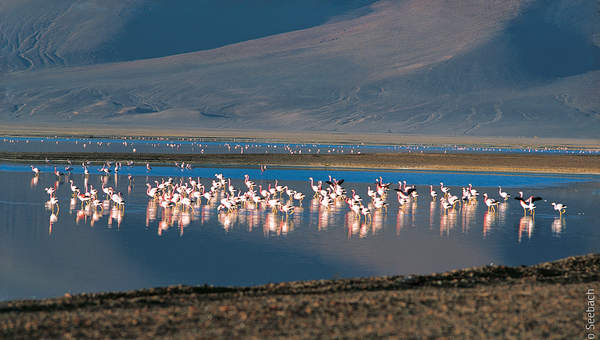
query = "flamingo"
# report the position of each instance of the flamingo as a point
(405, 194)
(57, 173)
(84, 198)
(118, 200)
(107, 190)
(379, 204)
(527, 203)
(472, 191)
(248, 182)
(503, 194)
(273, 204)
(35, 170)
(561, 208)
(51, 190)
(264, 192)
(278, 188)
(314, 187)
(490, 202)
(445, 204)
(151, 192)
(444, 189)
(354, 207)
(356, 197)
(299, 196)
(432, 192)
(287, 209)
(371, 193)
(366, 212)
(53, 201)
(74, 188)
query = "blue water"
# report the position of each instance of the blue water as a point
(47, 252)
(212, 145)
(416, 177)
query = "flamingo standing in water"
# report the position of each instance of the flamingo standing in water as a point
(432, 192)
(74, 188)
(444, 189)
(527, 203)
(503, 194)
(490, 202)
(561, 208)
(314, 187)
(57, 173)
(118, 200)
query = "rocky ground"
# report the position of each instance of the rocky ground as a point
(545, 301)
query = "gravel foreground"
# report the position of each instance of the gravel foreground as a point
(544, 301)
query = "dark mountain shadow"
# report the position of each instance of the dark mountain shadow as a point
(531, 51)
(546, 50)
(162, 28)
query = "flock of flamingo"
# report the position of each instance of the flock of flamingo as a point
(146, 144)
(182, 200)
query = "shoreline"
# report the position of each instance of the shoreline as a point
(302, 137)
(475, 162)
(480, 302)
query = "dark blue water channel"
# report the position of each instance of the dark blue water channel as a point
(47, 252)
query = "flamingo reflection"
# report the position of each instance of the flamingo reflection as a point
(558, 225)
(400, 220)
(447, 222)
(53, 219)
(34, 181)
(488, 219)
(468, 210)
(526, 225)
(432, 207)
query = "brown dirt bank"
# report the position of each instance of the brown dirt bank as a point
(545, 301)
(539, 163)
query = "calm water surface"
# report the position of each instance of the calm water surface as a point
(240, 146)
(144, 246)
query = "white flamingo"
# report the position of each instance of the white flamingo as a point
(561, 208)
(503, 194)
(35, 170)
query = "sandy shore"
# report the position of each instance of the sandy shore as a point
(545, 301)
(535, 163)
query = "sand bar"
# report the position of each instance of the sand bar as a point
(493, 162)
(103, 131)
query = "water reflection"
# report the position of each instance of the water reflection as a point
(34, 181)
(468, 209)
(448, 220)
(181, 201)
(488, 220)
(526, 225)
(310, 240)
(558, 226)
(211, 145)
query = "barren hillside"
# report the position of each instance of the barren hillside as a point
(481, 68)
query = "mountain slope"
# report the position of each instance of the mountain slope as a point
(516, 68)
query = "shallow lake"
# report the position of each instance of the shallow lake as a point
(46, 253)
(240, 146)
